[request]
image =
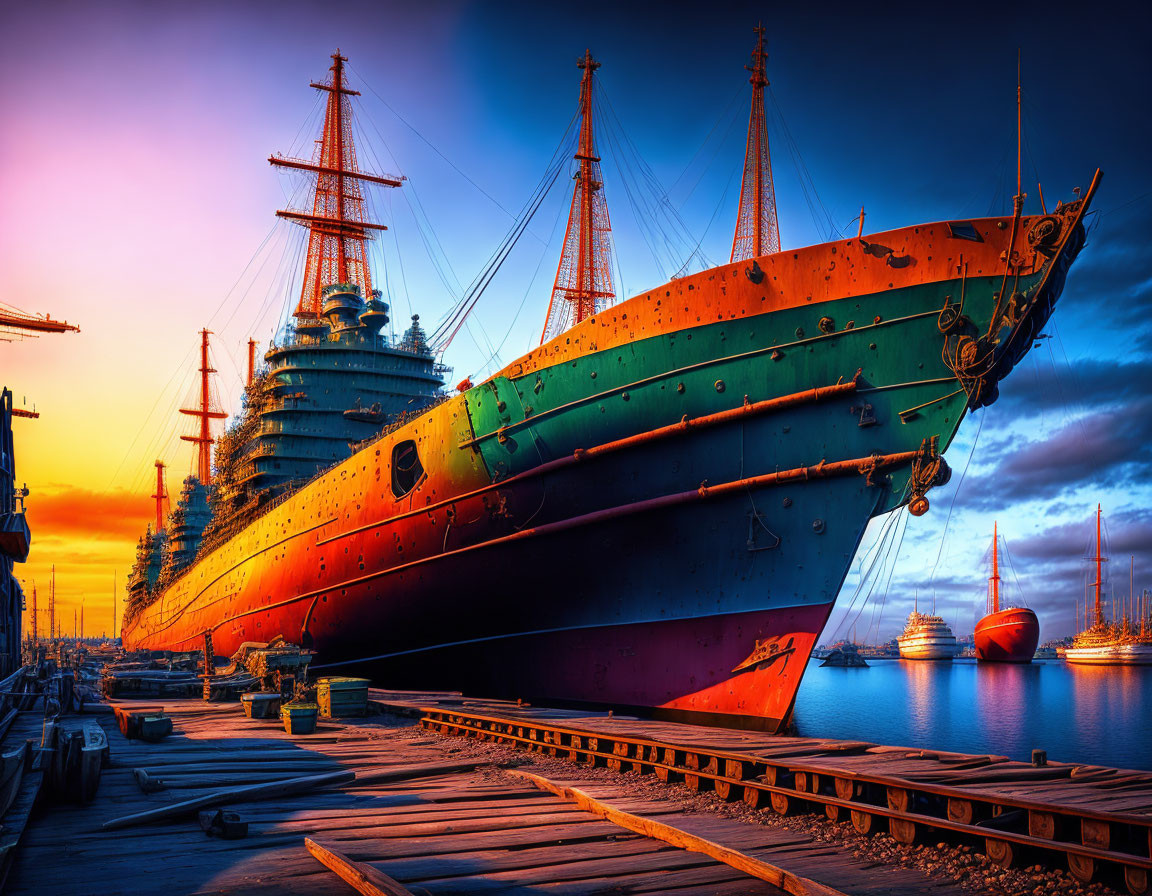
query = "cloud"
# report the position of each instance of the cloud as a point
(80, 513)
(1109, 448)
(1090, 383)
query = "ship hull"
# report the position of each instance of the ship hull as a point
(654, 510)
(1110, 655)
(929, 650)
(1009, 636)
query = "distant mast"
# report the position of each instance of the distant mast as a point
(338, 230)
(994, 579)
(584, 277)
(160, 497)
(1099, 570)
(207, 411)
(757, 230)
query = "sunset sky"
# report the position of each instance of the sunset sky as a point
(138, 203)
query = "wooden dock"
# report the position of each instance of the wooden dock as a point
(1097, 820)
(438, 815)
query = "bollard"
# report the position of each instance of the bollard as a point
(1039, 758)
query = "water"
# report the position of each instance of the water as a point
(1097, 715)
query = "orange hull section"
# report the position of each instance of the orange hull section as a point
(1009, 636)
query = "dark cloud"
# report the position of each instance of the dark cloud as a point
(1106, 449)
(1091, 383)
(1111, 278)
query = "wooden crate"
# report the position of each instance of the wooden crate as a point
(342, 697)
(299, 718)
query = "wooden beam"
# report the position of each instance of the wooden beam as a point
(786, 880)
(232, 795)
(360, 876)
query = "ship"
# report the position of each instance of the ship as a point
(844, 655)
(1009, 635)
(655, 508)
(927, 636)
(1110, 643)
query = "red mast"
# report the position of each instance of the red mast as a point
(583, 284)
(207, 412)
(338, 230)
(160, 497)
(251, 362)
(757, 231)
(994, 579)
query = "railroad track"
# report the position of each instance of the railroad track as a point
(1098, 821)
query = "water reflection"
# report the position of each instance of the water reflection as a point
(1077, 713)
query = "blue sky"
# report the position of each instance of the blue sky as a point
(165, 113)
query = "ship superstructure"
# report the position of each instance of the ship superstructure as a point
(711, 450)
(330, 382)
(927, 636)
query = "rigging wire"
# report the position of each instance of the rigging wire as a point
(952, 505)
(453, 320)
(802, 172)
(432, 146)
(875, 550)
(532, 282)
(658, 215)
(728, 114)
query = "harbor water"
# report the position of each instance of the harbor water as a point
(1091, 714)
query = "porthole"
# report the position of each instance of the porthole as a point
(406, 468)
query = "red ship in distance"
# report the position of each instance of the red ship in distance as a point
(1009, 635)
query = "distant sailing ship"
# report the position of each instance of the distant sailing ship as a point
(1111, 643)
(654, 509)
(1009, 635)
(927, 636)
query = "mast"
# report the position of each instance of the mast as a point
(52, 607)
(207, 412)
(161, 496)
(35, 629)
(1099, 570)
(338, 230)
(757, 230)
(583, 284)
(251, 362)
(994, 579)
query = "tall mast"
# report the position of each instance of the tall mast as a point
(251, 362)
(994, 579)
(35, 612)
(757, 230)
(583, 283)
(338, 230)
(52, 607)
(161, 496)
(207, 412)
(1099, 570)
